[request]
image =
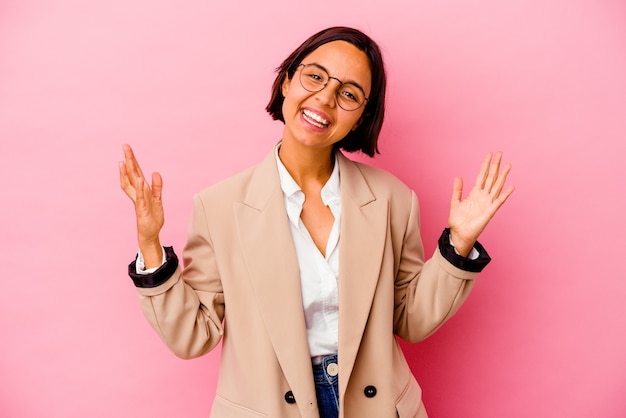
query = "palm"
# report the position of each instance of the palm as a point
(146, 198)
(469, 217)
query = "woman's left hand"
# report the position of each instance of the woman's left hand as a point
(469, 217)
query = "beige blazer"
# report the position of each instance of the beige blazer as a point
(241, 286)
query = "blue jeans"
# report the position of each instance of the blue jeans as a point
(327, 387)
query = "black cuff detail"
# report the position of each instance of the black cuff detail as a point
(160, 276)
(448, 252)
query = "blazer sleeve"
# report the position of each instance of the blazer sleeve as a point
(186, 309)
(428, 293)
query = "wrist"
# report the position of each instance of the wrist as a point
(152, 253)
(462, 245)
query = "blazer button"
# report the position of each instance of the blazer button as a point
(370, 391)
(289, 398)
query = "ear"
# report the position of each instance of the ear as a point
(285, 85)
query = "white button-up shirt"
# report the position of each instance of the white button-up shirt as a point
(318, 274)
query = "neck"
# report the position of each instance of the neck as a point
(307, 165)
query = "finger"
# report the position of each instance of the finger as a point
(501, 180)
(125, 183)
(503, 197)
(494, 170)
(131, 163)
(123, 175)
(141, 203)
(157, 187)
(484, 171)
(457, 190)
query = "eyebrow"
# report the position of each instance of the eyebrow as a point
(354, 83)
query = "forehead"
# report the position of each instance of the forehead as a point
(344, 61)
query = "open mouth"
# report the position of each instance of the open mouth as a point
(315, 119)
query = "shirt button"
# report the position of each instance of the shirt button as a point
(289, 398)
(370, 391)
(332, 369)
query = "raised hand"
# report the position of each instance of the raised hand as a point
(469, 217)
(148, 206)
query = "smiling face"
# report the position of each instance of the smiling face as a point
(315, 119)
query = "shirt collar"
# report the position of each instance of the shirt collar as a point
(331, 191)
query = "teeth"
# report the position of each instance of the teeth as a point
(313, 117)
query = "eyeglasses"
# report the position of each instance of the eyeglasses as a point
(350, 96)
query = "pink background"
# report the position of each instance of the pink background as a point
(544, 333)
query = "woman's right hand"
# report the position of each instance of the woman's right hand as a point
(148, 206)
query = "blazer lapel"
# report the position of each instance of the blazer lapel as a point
(265, 236)
(362, 240)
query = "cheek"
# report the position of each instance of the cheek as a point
(287, 92)
(292, 100)
(288, 106)
(291, 91)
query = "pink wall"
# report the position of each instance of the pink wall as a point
(543, 335)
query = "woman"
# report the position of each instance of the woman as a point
(307, 265)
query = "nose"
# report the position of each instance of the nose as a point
(328, 95)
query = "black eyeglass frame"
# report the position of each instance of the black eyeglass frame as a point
(341, 83)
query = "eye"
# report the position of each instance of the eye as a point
(349, 94)
(314, 77)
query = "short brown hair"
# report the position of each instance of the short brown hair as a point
(365, 137)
